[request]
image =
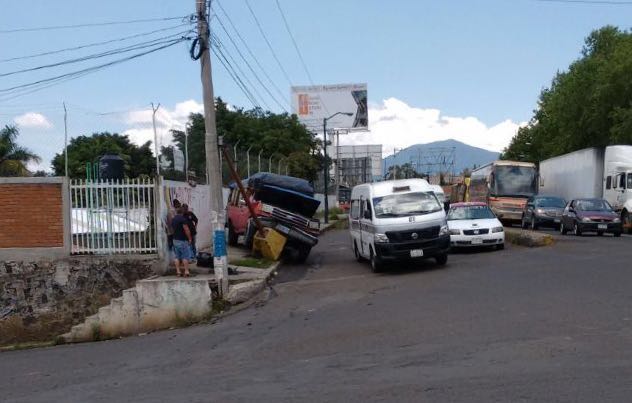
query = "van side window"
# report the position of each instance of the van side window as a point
(609, 182)
(622, 181)
(367, 207)
(355, 209)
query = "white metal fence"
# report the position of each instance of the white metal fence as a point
(113, 217)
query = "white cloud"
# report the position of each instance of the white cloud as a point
(396, 124)
(140, 122)
(33, 120)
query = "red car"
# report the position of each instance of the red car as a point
(590, 215)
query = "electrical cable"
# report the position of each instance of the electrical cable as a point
(231, 71)
(287, 77)
(598, 2)
(98, 24)
(138, 46)
(289, 31)
(248, 65)
(121, 39)
(251, 53)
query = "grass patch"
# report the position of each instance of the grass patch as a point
(27, 346)
(341, 224)
(259, 263)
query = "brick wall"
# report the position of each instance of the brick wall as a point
(32, 215)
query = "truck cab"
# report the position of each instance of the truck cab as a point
(617, 188)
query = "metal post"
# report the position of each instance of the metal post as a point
(279, 166)
(235, 154)
(213, 164)
(65, 141)
(153, 122)
(260, 151)
(326, 171)
(248, 159)
(270, 163)
(337, 172)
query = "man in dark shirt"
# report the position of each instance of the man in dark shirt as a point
(182, 240)
(193, 222)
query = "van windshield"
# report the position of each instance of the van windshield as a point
(406, 204)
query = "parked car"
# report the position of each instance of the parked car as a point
(545, 211)
(397, 220)
(474, 224)
(590, 215)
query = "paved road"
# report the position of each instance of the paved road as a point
(548, 324)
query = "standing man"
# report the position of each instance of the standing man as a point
(170, 215)
(193, 222)
(182, 240)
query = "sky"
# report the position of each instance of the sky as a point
(470, 70)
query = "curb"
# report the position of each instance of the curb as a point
(528, 238)
(244, 292)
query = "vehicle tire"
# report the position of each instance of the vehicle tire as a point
(442, 259)
(356, 252)
(376, 263)
(576, 230)
(599, 233)
(500, 246)
(534, 224)
(563, 229)
(249, 236)
(303, 254)
(617, 234)
(232, 235)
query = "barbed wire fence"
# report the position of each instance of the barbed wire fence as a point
(249, 161)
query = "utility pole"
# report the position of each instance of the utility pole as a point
(153, 122)
(65, 141)
(213, 164)
(186, 153)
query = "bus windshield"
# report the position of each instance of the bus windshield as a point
(514, 181)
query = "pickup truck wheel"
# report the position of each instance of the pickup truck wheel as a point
(303, 253)
(232, 235)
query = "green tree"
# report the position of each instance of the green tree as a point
(139, 160)
(273, 134)
(404, 171)
(13, 157)
(589, 105)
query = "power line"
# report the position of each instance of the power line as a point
(121, 39)
(97, 24)
(138, 46)
(250, 52)
(38, 85)
(234, 62)
(249, 66)
(263, 34)
(289, 31)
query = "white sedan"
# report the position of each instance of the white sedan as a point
(474, 224)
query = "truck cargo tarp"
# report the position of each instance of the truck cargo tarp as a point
(287, 182)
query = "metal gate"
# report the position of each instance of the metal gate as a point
(113, 216)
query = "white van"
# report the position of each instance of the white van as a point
(438, 191)
(397, 220)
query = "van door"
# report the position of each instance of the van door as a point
(354, 225)
(366, 221)
(621, 196)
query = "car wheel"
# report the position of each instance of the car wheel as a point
(576, 230)
(376, 263)
(599, 233)
(617, 234)
(562, 229)
(232, 235)
(500, 246)
(523, 223)
(442, 259)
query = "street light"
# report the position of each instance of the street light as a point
(326, 170)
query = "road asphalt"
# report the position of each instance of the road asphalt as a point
(541, 324)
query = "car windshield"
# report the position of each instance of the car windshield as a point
(592, 205)
(470, 213)
(406, 204)
(515, 181)
(550, 202)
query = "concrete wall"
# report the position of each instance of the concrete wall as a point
(41, 299)
(36, 219)
(333, 201)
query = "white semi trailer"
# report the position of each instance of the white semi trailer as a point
(592, 172)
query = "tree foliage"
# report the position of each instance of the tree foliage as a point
(590, 105)
(13, 157)
(404, 171)
(277, 135)
(139, 160)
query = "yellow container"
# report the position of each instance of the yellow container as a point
(270, 245)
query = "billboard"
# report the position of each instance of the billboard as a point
(315, 102)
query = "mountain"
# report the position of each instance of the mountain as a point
(464, 157)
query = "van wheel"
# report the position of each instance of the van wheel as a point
(500, 246)
(563, 230)
(232, 235)
(376, 263)
(357, 254)
(442, 259)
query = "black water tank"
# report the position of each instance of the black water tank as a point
(111, 166)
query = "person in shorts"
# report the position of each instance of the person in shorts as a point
(193, 222)
(170, 215)
(182, 240)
